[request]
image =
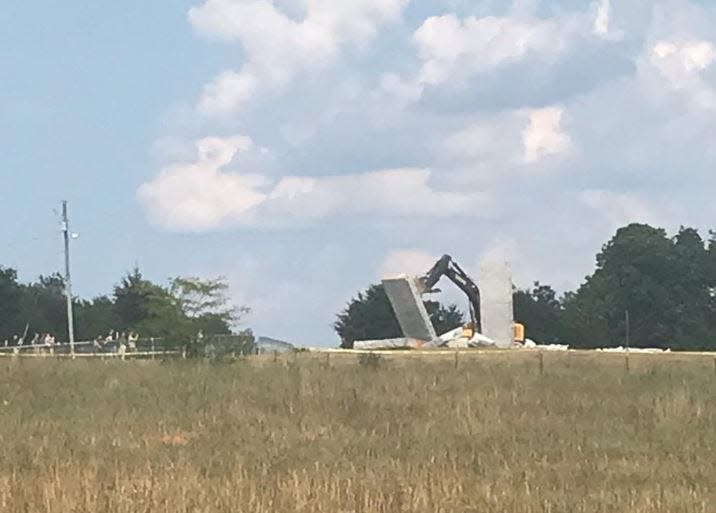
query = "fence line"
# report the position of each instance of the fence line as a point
(138, 354)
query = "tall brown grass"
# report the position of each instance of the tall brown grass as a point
(399, 435)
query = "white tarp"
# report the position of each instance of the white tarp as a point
(620, 349)
(531, 344)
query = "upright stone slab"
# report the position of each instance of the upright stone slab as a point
(409, 308)
(496, 309)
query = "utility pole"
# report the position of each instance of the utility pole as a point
(68, 280)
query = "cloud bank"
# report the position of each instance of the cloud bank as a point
(537, 126)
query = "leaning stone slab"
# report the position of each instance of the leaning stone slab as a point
(409, 308)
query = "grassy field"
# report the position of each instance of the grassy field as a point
(398, 434)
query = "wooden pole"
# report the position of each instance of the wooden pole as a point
(541, 363)
(68, 280)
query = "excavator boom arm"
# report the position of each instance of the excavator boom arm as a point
(446, 266)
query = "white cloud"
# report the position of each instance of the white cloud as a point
(680, 66)
(499, 249)
(601, 22)
(508, 142)
(325, 23)
(203, 195)
(406, 91)
(446, 43)
(680, 61)
(452, 50)
(277, 46)
(200, 195)
(544, 136)
(617, 209)
(414, 262)
(228, 92)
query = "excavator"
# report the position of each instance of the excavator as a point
(447, 267)
(450, 269)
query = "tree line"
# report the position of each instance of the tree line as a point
(657, 290)
(177, 311)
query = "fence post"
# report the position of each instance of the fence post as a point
(275, 356)
(627, 367)
(457, 359)
(541, 363)
(328, 360)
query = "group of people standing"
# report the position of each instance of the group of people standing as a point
(39, 339)
(115, 341)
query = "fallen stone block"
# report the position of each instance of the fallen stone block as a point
(391, 343)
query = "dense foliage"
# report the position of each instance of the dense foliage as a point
(666, 284)
(178, 311)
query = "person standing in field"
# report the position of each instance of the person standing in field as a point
(122, 349)
(132, 340)
(50, 342)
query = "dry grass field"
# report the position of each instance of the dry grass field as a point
(404, 435)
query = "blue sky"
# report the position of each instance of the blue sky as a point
(304, 148)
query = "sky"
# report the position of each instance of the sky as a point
(303, 149)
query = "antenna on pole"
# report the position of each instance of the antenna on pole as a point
(68, 281)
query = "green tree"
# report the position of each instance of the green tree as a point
(711, 281)
(444, 318)
(370, 316)
(541, 313)
(43, 306)
(94, 318)
(662, 282)
(206, 305)
(10, 297)
(136, 300)
(176, 313)
(692, 290)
